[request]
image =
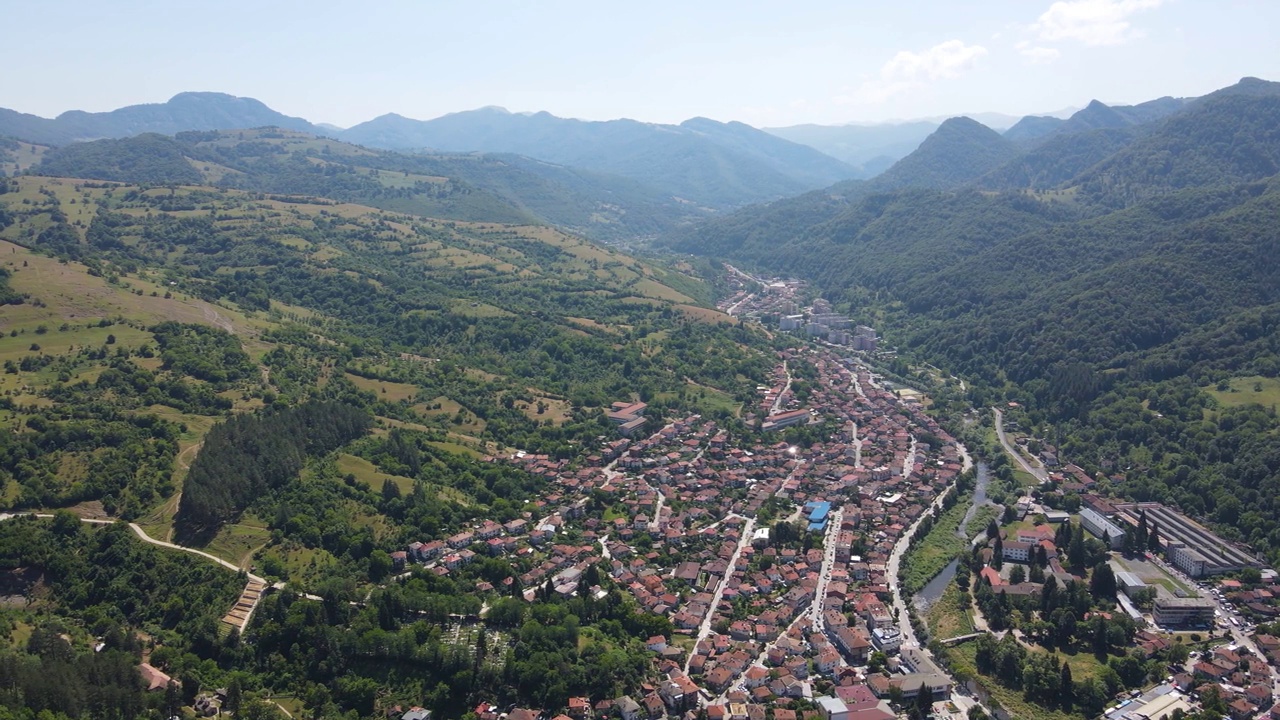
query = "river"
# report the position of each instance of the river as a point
(930, 593)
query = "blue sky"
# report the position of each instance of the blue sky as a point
(765, 63)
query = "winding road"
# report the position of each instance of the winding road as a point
(1039, 473)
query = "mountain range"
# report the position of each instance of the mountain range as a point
(1154, 226)
(702, 164)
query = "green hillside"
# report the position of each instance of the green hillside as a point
(290, 299)
(472, 187)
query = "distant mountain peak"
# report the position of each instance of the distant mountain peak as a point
(205, 95)
(963, 123)
(960, 150)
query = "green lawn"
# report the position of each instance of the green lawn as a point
(1248, 390)
(236, 543)
(368, 474)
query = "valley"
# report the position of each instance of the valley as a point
(508, 416)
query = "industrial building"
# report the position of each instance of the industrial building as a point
(1130, 584)
(1191, 548)
(1102, 527)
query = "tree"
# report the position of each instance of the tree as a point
(390, 490)
(877, 662)
(1017, 575)
(1076, 554)
(235, 695)
(380, 565)
(997, 554)
(1153, 541)
(1049, 595)
(1102, 582)
(1066, 688)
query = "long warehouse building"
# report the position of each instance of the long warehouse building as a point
(1191, 547)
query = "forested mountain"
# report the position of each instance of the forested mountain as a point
(184, 111)
(959, 151)
(499, 188)
(1033, 127)
(1102, 277)
(701, 161)
(1095, 116)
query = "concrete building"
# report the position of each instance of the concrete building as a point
(1016, 551)
(786, 419)
(832, 708)
(864, 338)
(1176, 612)
(887, 639)
(831, 320)
(790, 322)
(1102, 527)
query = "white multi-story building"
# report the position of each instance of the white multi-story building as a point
(1098, 524)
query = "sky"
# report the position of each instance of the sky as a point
(768, 64)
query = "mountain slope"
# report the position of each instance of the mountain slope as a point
(1220, 140)
(184, 111)
(498, 188)
(1057, 160)
(702, 161)
(1032, 128)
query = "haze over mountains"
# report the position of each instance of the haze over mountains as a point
(700, 163)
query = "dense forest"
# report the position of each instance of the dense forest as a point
(246, 455)
(104, 584)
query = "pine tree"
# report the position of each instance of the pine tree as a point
(1153, 541)
(1102, 583)
(997, 554)
(1066, 689)
(1140, 542)
(1076, 551)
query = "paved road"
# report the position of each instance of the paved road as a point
(1039, 473)
(777, 402)
(142, 534)
(705, 629)
(895, 586)
(824, 576)
(909, 463)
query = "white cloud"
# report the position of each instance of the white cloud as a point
(1092, 22)
(1037, 54)
(910, 70)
